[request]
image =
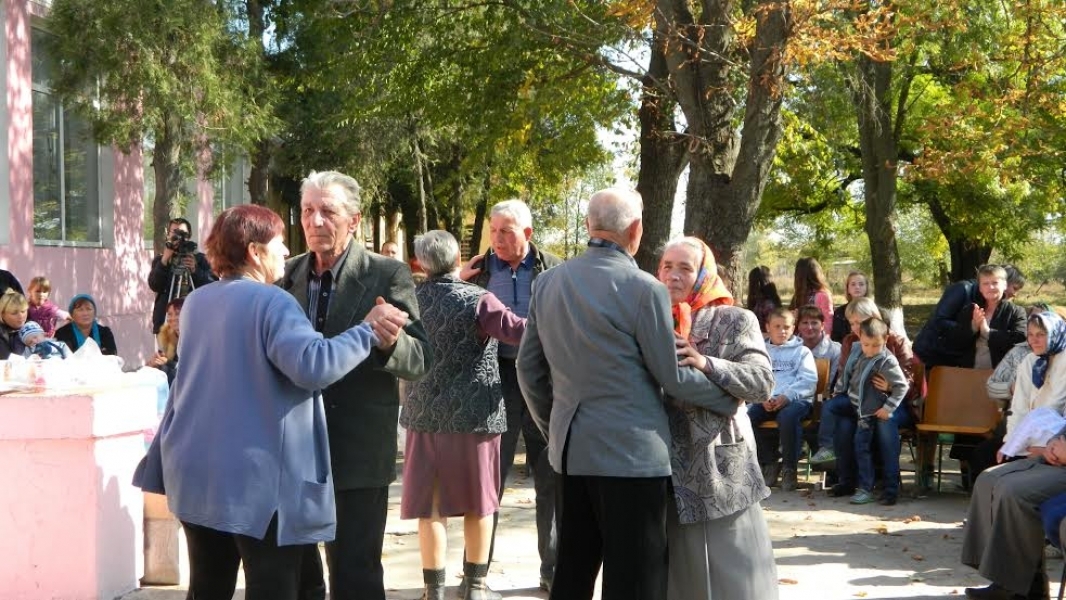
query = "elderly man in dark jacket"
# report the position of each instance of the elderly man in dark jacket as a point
(507, 270)
(338, 282)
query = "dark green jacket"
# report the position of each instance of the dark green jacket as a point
(362, 408)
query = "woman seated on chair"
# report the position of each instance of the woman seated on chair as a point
(1046, 339)
(1003, 537)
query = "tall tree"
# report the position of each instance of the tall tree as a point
(499, 114)
(169, 71)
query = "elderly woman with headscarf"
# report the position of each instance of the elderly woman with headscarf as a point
(1004, 537)
(454, 417)
(242, 452)
(718, 538)
(83, 325)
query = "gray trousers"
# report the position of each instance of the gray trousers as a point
(1004, 538)
(729, 557)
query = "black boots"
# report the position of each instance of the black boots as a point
(476, 588)
(434, 579)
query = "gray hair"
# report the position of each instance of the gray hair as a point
(321, 180)
(437, 252)
(517, 210)
(862, 307)
(689, 241)
(614, 209)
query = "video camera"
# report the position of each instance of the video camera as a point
(180, 242)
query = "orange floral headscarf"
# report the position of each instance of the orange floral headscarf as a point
(709, 290)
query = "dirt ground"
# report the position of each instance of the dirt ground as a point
(826, 548)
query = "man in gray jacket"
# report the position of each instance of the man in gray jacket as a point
(593, 372)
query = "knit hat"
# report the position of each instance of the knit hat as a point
(70, 308)
(30, 328)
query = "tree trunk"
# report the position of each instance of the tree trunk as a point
(259, 176)
(480, 213)
(423, 205)
(967, 254)
(662, 156)
(728, 166)
(878, 145)
(166, 162)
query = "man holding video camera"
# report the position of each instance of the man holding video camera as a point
(178, 271)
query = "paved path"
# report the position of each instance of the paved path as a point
(826, 549)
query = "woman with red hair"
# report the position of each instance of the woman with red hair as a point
(242, 452)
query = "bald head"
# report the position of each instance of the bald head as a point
(614, 214)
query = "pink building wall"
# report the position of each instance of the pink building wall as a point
(116, 274)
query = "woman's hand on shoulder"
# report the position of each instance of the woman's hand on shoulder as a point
(468, 271)
(688, 355)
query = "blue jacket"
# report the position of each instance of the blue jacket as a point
(244, 436)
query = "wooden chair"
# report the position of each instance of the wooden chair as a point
(810, 424)
(909, 435)
(957, 403)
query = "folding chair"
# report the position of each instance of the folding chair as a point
(956, 403)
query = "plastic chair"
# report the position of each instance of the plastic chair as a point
(957, 403)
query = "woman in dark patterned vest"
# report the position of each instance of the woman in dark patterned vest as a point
(719, 541)
(454, 417)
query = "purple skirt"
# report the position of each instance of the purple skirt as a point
(464, 466)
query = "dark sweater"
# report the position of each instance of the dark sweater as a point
(461, 393)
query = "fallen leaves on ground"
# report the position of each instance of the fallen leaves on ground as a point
(787, 581)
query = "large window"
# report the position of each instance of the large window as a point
(66, 164)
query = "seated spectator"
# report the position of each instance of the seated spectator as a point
(37, 343)
(83, 325)
(868, 413)
(762, 294)
(13, 309)
(795, 380)
(42, 310)
(166, 357)
(855, 286)
(811, 330)
(1003, 537)
(1015, 281)
(1001, 386)
(859, 310)
(811, 288)
(1041, 378)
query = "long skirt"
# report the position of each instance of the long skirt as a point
(728, 557)
(464, 466)
(1004, 537)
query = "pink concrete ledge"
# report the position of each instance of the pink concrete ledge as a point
(71, 524)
